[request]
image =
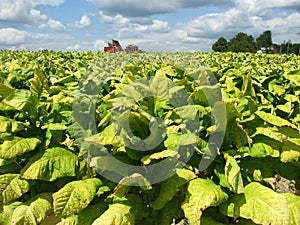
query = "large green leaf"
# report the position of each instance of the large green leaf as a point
(20, 100)
(7, 212)
(32, 212)
(105, 137)
(200, 195)
(117, 213)
(75, 196)
(262, 150)
(86, 217)
(275, 120)
(170, 187)
(290, 150)
(293, 202)
(39, 83)
(126, 183)
(18, 146)
(146, 160)
(50, 165)
(9, 125)
(233, 175)
(12, 187)
(235, 133)
(260, 204)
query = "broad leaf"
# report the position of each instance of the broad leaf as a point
(75, 196)
(50, 165)
(233, 175)
(170, 187)
(275, 120)
(20, 100)
(18, 146)
(8, 211)
(9, 125)
(39, 83)
(32, 212)
(126, 183)
(12, 187)
(262, 150)
(260, 204)
(293, 202)
(290, 150)
(146, 160)
(117, 213)
(200, 195)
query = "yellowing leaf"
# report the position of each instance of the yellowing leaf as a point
(50, 165)
(116, 214)
(126, 183)
(294, 208)
(233, 175)
(146, 160)
(260, 204)
(75, 196)
(32, 212)
(18, 146)
(12, 187)
(200, 195)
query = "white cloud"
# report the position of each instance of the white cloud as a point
(137, 8)
(85, 21)
(99, 45)
(23, 12)
(159, 26)
(20, 12)
(215, 24)
(56, 25)
(116, 20)
(11, 36)
(75, 47)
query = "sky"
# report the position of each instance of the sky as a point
(153, 25)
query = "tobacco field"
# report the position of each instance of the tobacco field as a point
(91, 138)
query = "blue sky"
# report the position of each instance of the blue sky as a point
(169, 25)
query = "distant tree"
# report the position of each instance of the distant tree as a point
(264, 40)
(287, 47)
(221, 45)
(242, 42)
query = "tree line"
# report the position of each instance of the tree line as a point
(243, 42)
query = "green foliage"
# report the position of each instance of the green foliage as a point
(221, 45)
(264, 40)
(46, 177)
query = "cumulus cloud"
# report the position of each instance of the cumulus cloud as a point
(75, 47)
(259, 7)
(214, 24)
(99, 45)
(11, 36)
(23, 12)
(115, 20)
(56, 25)
(14, 11)
(85, 21)
(159, 26)
(137, 8)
